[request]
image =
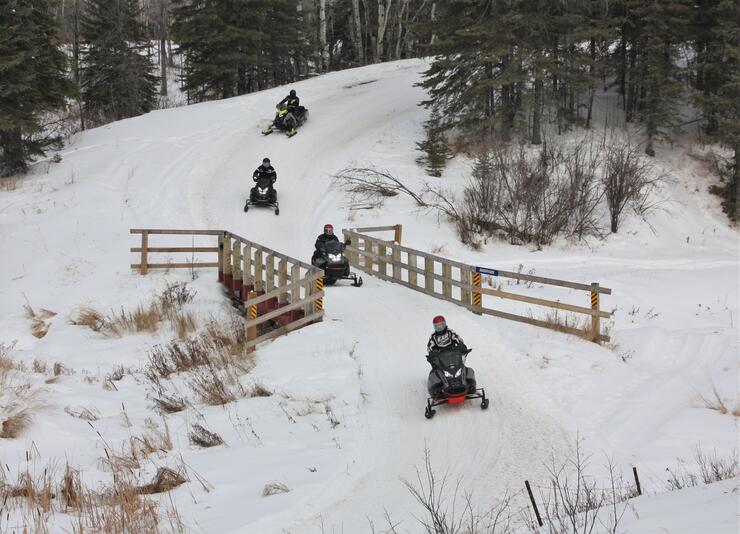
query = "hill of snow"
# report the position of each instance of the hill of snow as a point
(345, 422)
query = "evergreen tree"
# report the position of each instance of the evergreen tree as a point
(116, 77)
(32, 80)
(435, 147)
(717, 80)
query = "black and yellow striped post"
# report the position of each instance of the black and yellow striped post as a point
(251, 315)
(595, 319)
(318, 304)
(477, 295)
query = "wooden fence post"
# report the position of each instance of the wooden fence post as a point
(236, 268)
(595, 319)
(396, 252)
(295, 275)
(477, 299)
(465, 279)
(283, 279)
(318, 304)
(412, 265)
(144, 252)
(428, 280)
(247, 280)
(367, 246)
(221, 258)
(637, 481)
(534, 504)
(398, 230)
(252, 314)
(269, 272)
(446, 286)
(259, 281)
(382, 253)
(227, 261)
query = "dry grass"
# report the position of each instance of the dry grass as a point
(218, 345)
(80, 412)
(216, 387)
(39, 324)
(259, 390)
(562, 321)
(273, 488)
(120, 508)
(165, 307)
(204, 438)
(13, 425)
(169, 404)
(718, 404)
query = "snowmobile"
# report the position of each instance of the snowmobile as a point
(287, 121)
(263, 194)
(451, 381)
(336, 267)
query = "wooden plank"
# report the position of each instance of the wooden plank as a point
(176, 249)
(280, 311)
(227, 254)
(367, 248)
(285, 329)
(595, 321)
(289, 287)
(398, 232)
(550, 281)
(543, 302)
(397, 264)
(150, 266)
(373, 229)
(534, 322)
(236, 263)
(174, 232)
(432, 275)
(418, 252)
(266, 250)
(382, 263)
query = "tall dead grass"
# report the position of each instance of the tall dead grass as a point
(18, 399)
(164, 308)
(718, 404)
(118, 508)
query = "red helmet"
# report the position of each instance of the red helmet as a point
(439, 324)
(328, 229)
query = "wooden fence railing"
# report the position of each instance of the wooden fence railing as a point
(278, 293)
(460, 283)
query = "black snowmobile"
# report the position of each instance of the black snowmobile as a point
(451, 381)
(263, 194)
(336, 267)
(287, 121)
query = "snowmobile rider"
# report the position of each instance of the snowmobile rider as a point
(322, 240)
(442, 338)
(265, 170)
(291, 101)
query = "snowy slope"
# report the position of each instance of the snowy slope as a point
(675, 333)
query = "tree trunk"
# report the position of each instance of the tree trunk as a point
(399, 37)
(324, 52)
(163, 67)
(357, 26)
(383, 13)
(537, 111)
(433, 18)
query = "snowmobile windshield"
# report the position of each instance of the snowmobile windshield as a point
(449, 359)
(334, 247)
(264, 182)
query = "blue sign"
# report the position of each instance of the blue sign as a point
(486, 270)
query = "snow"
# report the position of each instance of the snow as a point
(65, 237)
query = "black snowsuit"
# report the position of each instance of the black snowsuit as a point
(291, 103)
(444, 340)
(322, 240)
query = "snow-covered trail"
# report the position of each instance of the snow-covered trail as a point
(675, 302)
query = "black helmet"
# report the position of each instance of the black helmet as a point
(292, 92)
(266, 162)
